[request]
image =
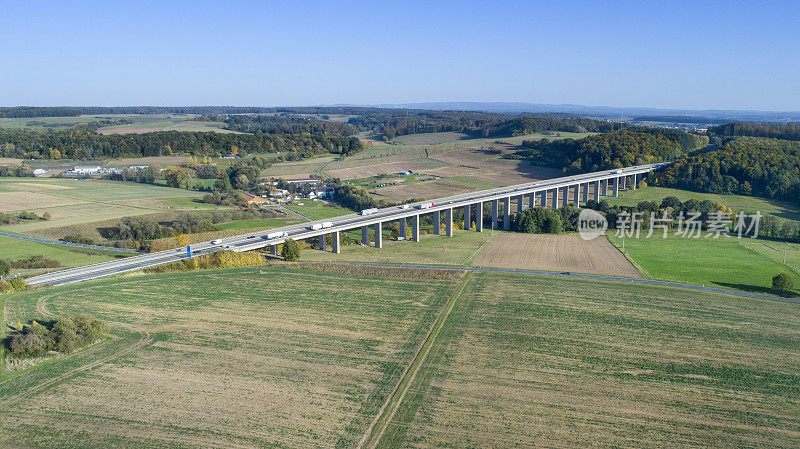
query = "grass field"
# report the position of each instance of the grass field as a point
(73, 202)
(11, 248)
(317, 210)
(251, 357)
(142, 123)
(461, 249)
(526, 361)
(275, 357)
(555, 253)
(724, 262)
(736, 202)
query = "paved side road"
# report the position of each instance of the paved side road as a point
(74, 245)
(587, 276)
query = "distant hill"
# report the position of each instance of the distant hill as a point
(604, 111)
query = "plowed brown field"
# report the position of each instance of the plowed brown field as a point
(556, 253)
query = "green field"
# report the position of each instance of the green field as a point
(317, 209)
(275, 357)
(736, 202)
(725, 262)
(254, 357)
(15, 249)
(142, 123)
(460, 249)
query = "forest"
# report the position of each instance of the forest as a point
(609, 150)
(786, 131)
(78, 144)
(280, 124)
(757, 166)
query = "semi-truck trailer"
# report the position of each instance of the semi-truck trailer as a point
(424, 206)
(275, 235)
(323, 225)
(369, 211)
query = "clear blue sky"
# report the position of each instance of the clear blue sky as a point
(693, 55)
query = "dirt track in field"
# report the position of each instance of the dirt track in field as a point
(556, 253)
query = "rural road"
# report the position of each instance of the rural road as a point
(577, 275)
(74, 245)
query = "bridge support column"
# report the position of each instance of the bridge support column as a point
(335, 242)
(415, 228)
(577, 194)
(597, 190)
(623, 181)
(437, 223)
(402, 227)
(365, 235)
(585, 193)
(479, 217)
(323, 243)
(378, 235)
(495, 210)
(507, 214)
(616, 187)
(448, 222)
(555, 198)
(519, 204)
(532, 200)
(273, 249)
(633, 183)
(543, 198)
(467, 218)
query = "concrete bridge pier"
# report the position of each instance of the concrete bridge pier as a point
(597, 190)
(495, 212)
(437, 223)
(519, 204)
(335, 242)
(532, 200)
(415, 228)
(365, 235)
(616, 187)
(623, 181)
(633, 184)
(603, 187)
(273, 249)
(467, 217)
(402, 227)
(543, 198)
(448, 222)
(555, 198)
(323, 244)
(507, 213)
(378, 235)
(479, 217)
(577, 194)
(585, 193)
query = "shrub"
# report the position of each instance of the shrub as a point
(5, 267)
(782, 282)
(67, 334)
(18, 284)
(291, 250)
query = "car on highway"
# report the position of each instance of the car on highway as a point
(251, 236)
(227, 246)
(216, 242)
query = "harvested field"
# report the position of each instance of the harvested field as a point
(556, 253)
(151, 160)
(10, 161)
(255, 357)
(532, 361)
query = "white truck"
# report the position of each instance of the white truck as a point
(216, 242)
(275, 235)
(424, 206)
(369, 211)
(616, 172)
(323, 225)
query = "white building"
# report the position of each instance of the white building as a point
(86, 170)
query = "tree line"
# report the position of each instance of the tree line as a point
(285, 124)
(610, 150)
(763, 167)
(786, 131)
(79, 144)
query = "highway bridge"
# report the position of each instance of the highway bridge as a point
(577, 189)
